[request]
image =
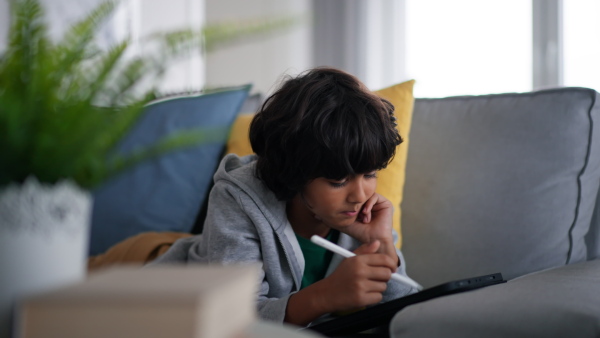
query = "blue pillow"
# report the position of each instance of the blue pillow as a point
(164, 194)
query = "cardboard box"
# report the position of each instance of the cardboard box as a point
(193, 301)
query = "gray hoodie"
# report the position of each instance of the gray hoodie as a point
(247, 224)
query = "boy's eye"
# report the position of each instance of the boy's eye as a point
(338, 184)
(371, 175)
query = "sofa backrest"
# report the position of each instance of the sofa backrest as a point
(501, 183)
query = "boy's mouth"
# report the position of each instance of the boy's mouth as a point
(350, 213)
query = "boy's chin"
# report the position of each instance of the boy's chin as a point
(341, 224)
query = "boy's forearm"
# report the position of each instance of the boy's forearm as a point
(306, 305)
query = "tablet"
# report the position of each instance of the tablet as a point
(381, 314)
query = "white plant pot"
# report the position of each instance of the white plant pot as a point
(44, 235)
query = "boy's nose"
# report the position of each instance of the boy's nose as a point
(357, 192)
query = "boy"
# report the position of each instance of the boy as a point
(319, 142)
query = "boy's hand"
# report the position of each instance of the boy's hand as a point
(360, 280)
(374, 223)
(357, 282)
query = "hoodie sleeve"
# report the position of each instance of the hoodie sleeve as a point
(231, 237)
(396, 289)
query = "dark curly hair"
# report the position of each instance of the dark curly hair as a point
(322, 123)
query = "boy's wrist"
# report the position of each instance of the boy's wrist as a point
(387, 247)
(319, 296)
(307, 304)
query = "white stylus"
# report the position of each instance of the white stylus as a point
(320, 241)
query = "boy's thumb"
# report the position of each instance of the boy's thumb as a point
(368, 248)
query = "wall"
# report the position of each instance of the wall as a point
(4, 23)
(134, 18)
(259, 61)
(150, 16)
(60, 14)
(364, 38)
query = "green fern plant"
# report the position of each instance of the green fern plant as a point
(65, 105)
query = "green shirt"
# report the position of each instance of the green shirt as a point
(316, 258)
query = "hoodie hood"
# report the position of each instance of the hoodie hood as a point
(241, 172)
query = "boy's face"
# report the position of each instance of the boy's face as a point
(337, 203)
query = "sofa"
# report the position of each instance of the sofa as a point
(505, 183)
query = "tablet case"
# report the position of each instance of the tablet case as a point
(381, 314)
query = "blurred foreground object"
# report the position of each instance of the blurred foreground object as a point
(174, 301)
(64, 106)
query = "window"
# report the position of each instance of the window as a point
(464, 47)
(581, 38)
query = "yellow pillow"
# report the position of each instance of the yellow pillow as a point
(239, 139)
(390, 181)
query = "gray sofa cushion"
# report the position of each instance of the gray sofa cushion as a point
(561, 302)
(500, 183)
(592, 239)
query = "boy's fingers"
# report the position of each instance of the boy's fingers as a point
(380, 274)
(381, 260)
(378, 286)
(367, 248)
(368, 207)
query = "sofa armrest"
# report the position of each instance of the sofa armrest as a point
(559, 302)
